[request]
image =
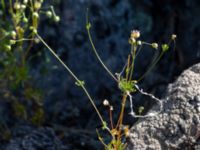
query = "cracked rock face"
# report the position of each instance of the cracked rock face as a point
(178, 125)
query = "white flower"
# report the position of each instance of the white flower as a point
(135, 34)
(173, 36)
(106, 102)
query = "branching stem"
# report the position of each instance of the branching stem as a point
(73, 75)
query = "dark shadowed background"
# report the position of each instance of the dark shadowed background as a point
(70, 118)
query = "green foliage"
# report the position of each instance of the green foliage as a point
(88, 26)
(80, 83)
(116, 145)
(38, 117)
(165, 47)
(140, 110)
(125, 85)
(34, 93)
(104, 126)
(20, 110)
(18, 28)
(20, 23)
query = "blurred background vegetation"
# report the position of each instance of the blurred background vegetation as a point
(38, 99)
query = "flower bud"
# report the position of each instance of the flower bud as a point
(56, 18)
(135, 34)
(173, 36)
(111, 108)
(13, 34)
(106, 102)
(139, 42)
(36, 40)
(165, 47)
(23, 6)
(49, 14)
(132, 40)
(36, 15)
(17, 5)
(154, 45)
(25, 1)
(12, 42)
(25, 20)
(37, 5)
(35, 31)
(7, 47)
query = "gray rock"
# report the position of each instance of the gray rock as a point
(178, 125)
(42, 138)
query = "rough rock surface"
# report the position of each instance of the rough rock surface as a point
(42, 138)
(178, 126)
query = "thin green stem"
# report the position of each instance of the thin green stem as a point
(98, 57)
(3, 4)
(133, 52)
(24, 39)
(120, 120)
(111, 117)
(138, 51)
(151, 67)
(73, 75)
(95, 51)
(52, 9)
(11, 7)
(146, 43)
(101, 140)
(128, 67)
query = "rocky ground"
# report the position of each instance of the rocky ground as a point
(67, 125)
(178, 125)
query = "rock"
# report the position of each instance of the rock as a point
(42, 138)
(178, 125)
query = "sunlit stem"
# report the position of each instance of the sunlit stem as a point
(111, 117)
(138, 51)
(52, 9)
(120, 120)
(74, 76)
(133, 52)
(96, 53)
(128, 67)
(11, 7)
(146, 43)
(3, 4)
(24, 39)
(101, 140)
(156, 60)
(151, 67)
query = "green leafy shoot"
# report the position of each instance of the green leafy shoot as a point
(80, 83)
(125, 85)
